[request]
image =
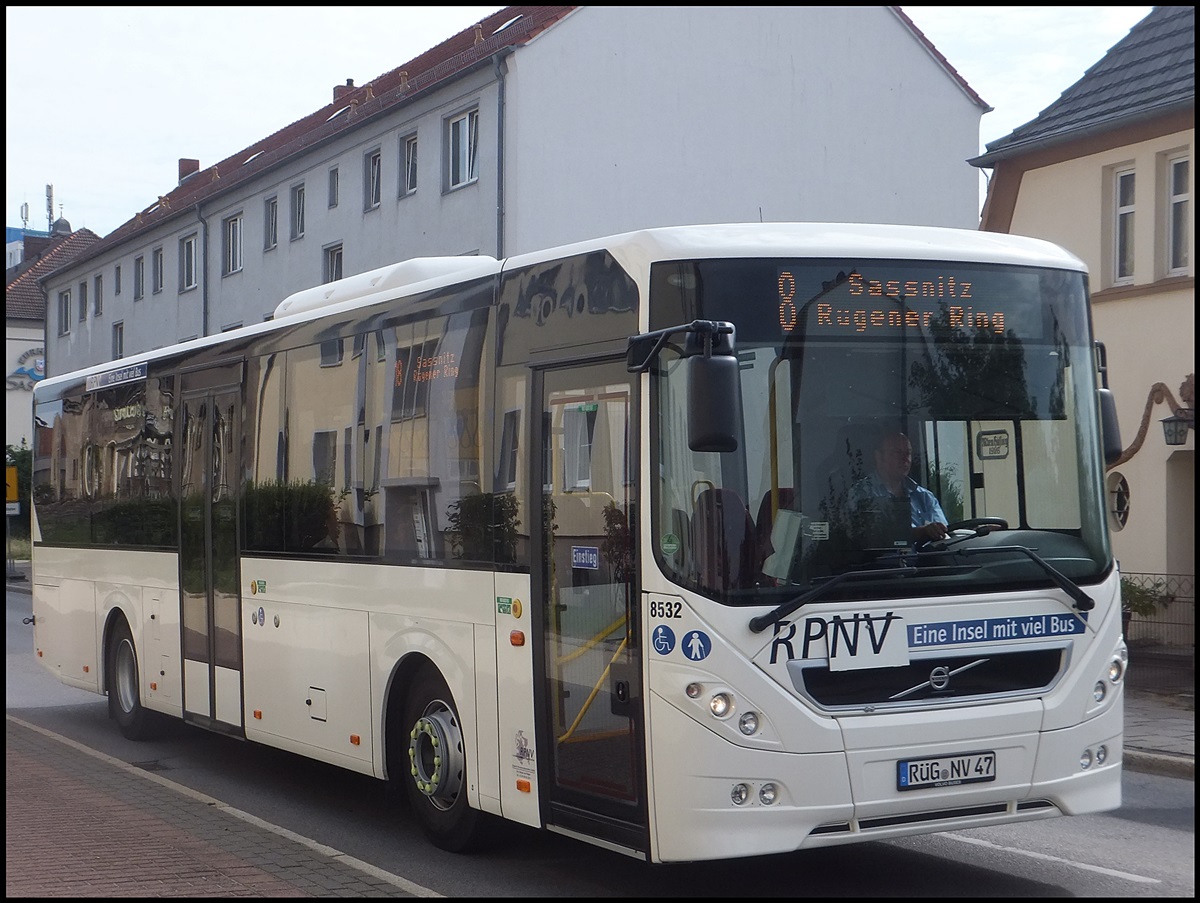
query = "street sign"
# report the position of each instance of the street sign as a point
(10, 479)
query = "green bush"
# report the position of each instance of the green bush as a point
(1144, 600)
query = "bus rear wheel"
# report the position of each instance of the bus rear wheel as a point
(434, 766)
(124, 688)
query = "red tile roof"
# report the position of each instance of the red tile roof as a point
(23, 296)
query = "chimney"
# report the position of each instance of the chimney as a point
(340, 91)
(187, 167)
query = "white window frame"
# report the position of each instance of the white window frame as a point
(116, 280)
(139, 278)
(158, 267)
(408, 166)
(1123, 226)
(231, 244)
(462, 146)
(270, 223)
(332, 263)
(118, 340)
(1179, 205)
(187, 263)
(372, 179)
(335, 187)
(64, 312)
(297, 213)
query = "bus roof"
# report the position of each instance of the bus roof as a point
(640, 248)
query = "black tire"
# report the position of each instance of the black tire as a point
(433, 766)
(125, 690)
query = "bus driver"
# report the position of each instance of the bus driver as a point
(890, 480)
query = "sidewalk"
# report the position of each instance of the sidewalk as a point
(204, 847)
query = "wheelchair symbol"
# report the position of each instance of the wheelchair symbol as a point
(664, 639)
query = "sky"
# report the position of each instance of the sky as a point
(101, 102)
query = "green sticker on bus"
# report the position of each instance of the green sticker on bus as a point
(504, 605)
(669, 544)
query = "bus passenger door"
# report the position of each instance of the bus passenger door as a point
(210, 428)
(592, 760)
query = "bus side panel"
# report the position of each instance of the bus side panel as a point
(517, 753)
(65, 627)
(307, 683)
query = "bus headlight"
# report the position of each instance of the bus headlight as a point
(739, 794)
(1099, 691)
(1085, 759)
(721, 705)
(748, 723)
(1101, 755)
(767, 794)
(1116, 670)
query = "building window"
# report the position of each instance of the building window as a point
(139, 278)
(187, 263)
(463, 146)
(83, 301)
(117, 280)
(333, 187)
(271, 224)
(297, 212)
(156, 270)
(333, 262)
(118, 345)
(409, 183)
(98, 296)
(1118, 500)
(1179, 183)
(1123, 231)
(372, 177)
(232, 250)
(64, 312)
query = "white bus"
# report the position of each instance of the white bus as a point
(578, 539)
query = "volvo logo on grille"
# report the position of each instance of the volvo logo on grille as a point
(939, 678)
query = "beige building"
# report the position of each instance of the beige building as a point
(1106, 171)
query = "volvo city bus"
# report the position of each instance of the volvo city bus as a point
(577, 539)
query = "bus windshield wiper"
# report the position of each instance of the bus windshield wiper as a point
(1083, 602)
(763, 621)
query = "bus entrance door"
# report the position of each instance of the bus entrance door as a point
(208, 548)
(586, 594)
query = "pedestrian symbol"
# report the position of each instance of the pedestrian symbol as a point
(697, 645)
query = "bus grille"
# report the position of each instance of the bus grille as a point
(936, 679)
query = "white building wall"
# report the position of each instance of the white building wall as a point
(623, 118)
(24, 365)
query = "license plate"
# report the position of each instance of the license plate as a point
(945, 771)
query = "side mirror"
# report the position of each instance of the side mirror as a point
(1109, 427)
(714, 403)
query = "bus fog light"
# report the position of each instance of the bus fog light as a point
(748, 723)
(721, 705)
(739, 794)
(1116, 670)
(1101, 755)
(767, 794)
(1099, 691)
(1085, 759)
(693, 690)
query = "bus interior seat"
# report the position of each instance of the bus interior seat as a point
(723, 540)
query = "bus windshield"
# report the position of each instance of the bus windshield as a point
(878, 397)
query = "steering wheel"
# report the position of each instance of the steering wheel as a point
(975, 523)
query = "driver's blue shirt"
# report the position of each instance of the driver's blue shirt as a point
(923, 505)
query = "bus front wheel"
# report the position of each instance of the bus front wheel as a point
(434, 766)
(124, 688)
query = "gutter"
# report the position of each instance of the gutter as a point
(499, 67)
(204, 269)
(1021, 148)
